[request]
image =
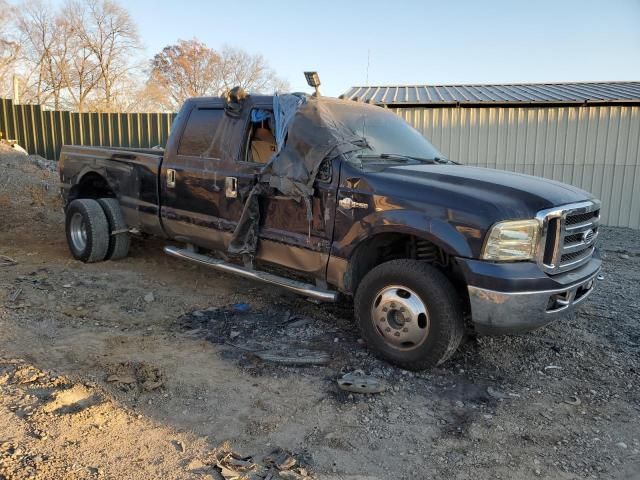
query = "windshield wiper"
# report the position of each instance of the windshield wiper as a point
(395, 156)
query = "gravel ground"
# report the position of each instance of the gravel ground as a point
(145, 367)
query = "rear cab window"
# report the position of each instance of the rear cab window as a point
(197, 138)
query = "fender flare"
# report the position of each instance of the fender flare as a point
(437, 231)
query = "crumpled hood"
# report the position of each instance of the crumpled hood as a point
(507, 194)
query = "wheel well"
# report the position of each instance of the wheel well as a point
(391, 246)
(91, 185)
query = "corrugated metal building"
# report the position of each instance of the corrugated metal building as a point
(585, 134)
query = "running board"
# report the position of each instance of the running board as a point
(301, 288)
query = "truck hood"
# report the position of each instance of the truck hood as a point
(508, 194)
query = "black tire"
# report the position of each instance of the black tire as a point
(86, 215)
(440, 331)
(119, 242)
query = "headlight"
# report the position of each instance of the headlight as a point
(512, 240)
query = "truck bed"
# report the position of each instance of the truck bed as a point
(131, 176)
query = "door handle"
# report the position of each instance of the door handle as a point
(171, 178)
(348, 204)
(231, 187)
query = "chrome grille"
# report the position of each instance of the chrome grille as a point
(569, 235)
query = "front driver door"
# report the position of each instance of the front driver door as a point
(287, 238)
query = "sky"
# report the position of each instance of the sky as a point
(410, 42)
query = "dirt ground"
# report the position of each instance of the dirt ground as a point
(149, 368)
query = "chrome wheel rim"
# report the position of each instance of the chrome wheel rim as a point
(400, 317)
(78, 232)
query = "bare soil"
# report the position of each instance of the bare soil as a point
(145, 367)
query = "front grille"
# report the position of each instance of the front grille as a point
(569, 236)
(581, 217)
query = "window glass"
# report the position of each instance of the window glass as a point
(198, 134)
(384, 131)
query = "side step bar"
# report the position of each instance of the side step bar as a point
(301, 288)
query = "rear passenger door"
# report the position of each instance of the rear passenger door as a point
(190, 183)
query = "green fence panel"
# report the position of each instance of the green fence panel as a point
(7, 120)
(45, 132)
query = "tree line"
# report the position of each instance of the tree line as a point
(86, 55)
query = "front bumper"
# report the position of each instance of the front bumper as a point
(516, 307)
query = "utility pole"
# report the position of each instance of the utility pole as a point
(16, 89)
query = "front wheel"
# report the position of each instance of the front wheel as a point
(409, 313)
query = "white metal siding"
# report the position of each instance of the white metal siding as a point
(594, 148)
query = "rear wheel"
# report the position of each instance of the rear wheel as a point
(87, 230)
(409, 313)
(119, 236)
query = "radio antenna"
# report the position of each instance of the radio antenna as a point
(368, 63)
(364, 116)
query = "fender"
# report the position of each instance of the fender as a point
(410, 222)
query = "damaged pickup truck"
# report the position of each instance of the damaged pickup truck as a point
(335, 199)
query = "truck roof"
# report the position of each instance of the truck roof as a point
(255, 98)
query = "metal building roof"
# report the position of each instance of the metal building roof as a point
(523, 93)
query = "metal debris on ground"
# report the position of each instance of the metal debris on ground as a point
(278, 465)
(294, 358)
(14, 296)
(358, 382)
(573, 400)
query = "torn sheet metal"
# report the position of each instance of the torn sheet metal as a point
(313, 135)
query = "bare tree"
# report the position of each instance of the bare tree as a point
(251, 72)
(82, 73)
(186, 69)
(192, 69)
(9, 46)
(42, 53)
(107, 31)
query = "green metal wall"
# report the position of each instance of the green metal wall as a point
(44, 132)
(596, 148)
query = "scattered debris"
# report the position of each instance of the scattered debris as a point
(295, 358)
(121, 379)
(14, 296)
(282, 460)
(150, 385)
(7, 261)
(279, 464)
(240, 307)
(358, 382)
(573, 400)
(553, 367)
(179, 444)
(149, 297)
(497, 393)
(132, 375)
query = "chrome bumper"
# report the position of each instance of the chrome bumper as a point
(495, 313)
